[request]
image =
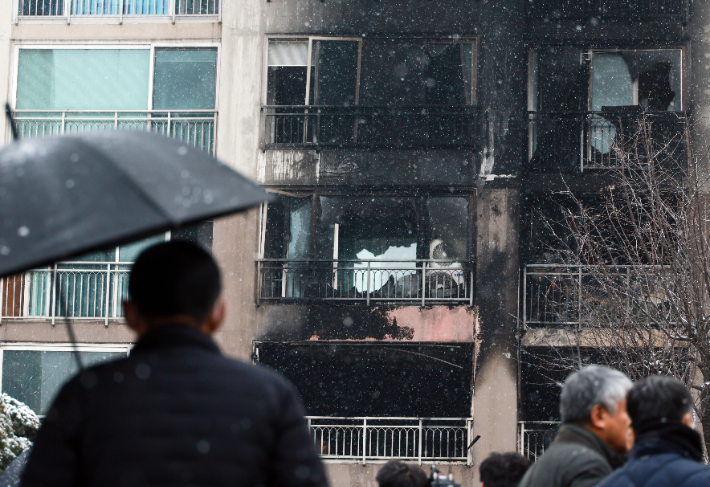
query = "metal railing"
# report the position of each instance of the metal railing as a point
(608, 9)
(196, 127)
(78, 290)
(591, 140)
(370, 127)
(535, 436)
(66, 9)
(570, 296)
(368, 439)
(422, 281)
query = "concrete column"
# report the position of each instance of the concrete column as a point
(495, 388)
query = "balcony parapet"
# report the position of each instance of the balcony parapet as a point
(379, 439)
(366, 281)
(584, 141)
(369, 127)
(195, 127)
(117, 11)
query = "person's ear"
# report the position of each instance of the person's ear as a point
(599, 416)
(216, 318)
(133, 318)
(688, 420)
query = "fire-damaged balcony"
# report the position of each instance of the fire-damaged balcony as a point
(370, 127)
(578, 142)
(369, 281)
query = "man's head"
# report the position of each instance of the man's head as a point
(503, 469)
(174, 283)
(659, 399)
(398, 474)
(595, 397)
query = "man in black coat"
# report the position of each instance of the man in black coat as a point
(668, 451)
(595, 431)
(176, 412)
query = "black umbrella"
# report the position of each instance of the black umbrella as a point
(68, 195)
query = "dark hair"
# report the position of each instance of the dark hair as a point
(503, 469)
(658, 398)
(398, 474)
(172, 278)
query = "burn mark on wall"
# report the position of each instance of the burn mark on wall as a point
(353, 322)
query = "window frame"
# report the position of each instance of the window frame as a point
(467, 39)
(148, 46)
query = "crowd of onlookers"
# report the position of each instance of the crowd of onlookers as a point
(614, 434)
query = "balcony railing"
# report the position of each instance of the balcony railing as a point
(570, 296)
(367, 439)
(591, 140)
(416, 281)
(120, 10)
(370, 127)
(534, 437)
(196, 127)
(608, 9)
(78, 290)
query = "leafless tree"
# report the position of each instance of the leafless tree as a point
(635, 264)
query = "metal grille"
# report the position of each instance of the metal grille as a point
(534, 437)
(366, 280)
(63, 8)
(80, 290)
(364, 439)
(196, 127)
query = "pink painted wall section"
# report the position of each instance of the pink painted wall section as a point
(438, 323)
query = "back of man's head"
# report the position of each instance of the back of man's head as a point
(658, 399)
(174, 278)
(503, 469)
(589, 386)
(398, 474)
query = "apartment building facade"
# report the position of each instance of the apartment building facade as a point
(411, 145)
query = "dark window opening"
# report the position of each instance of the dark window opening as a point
(200, 233)
(358, 379)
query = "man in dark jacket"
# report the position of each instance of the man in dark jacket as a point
(595, 430)
(668, 451)
(176, 412)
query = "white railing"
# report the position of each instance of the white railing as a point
(78, 290)
(120, 10)
(196, 127)
(416, 280)
(371, 439)
(534, 437)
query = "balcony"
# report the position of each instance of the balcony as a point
(78, 290)
(118, 10)
(535, 436)
(570, 296)
(370, 439)
(578, 142)
(196, 127)
(645, 10)
(360, 127)
(367, 281)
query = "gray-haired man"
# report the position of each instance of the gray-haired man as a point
(595, 429)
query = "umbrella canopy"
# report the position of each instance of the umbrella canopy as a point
(68, 195)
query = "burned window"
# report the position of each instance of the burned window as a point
(376, 379)
(362, 247)
(581, 101)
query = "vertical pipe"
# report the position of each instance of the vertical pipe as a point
(364, 441)
(525, 297)
(367, 285)
(2, 296)
(423, 283)
(54, 293)
(419, 443)
(106, 297)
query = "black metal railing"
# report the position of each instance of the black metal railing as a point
(417, 281)
(596, 140)
(370, 127)
(608, 9)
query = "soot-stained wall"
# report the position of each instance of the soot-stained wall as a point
(376, 379)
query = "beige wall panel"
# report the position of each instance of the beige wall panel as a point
(61, 32)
